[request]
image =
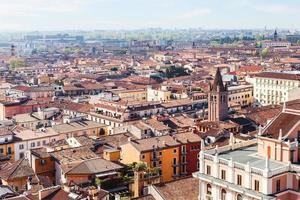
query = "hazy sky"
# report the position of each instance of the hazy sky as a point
(131, 14)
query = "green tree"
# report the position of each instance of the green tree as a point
(140, 166)
(59, 82)
(98, 181)
(114, 69)
(34, 51)
(265, 52)
(15, 63)
(173, 71)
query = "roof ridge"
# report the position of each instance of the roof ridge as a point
(16, 167)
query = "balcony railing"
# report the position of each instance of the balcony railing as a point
(208, 157)
(176, 164)
(154, 158)
(256, 171)
(183, 153)
(223, 161)
(239, 166)
(279, 170)
(184, 163)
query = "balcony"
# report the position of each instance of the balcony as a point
(176, 175)
(184, 163)
(176, 164)
(183, 153)
(184, 174)
(154, 159)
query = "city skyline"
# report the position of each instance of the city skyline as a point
(44, 15)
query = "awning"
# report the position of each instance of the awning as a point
(106, 174)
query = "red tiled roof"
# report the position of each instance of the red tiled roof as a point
(171, 190)
(284, 122)
(17, 169)
(250, 69)
(277, 75)
(22, 88)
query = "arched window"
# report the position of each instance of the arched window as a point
(208, 189)
(223, 194)
(102, 131)
(239, 197)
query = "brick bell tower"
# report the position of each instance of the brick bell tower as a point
(217, 100)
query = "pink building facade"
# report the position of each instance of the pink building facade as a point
(267, 167)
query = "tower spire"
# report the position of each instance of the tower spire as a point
(275, 35)
(218, 82)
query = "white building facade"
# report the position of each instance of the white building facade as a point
(272, 88)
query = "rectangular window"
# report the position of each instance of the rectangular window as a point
(21, 146)
(223, 174)
(32, 144)
(9, 150)
(43, 162)
(183, 159)
(21, 155)
(38, 144)
(256, 185)
(183, 149)
(174, 161)
(278, 185)
(174, 151)
(208, 169)
(184, 169)
(174, 171)
(239, 179)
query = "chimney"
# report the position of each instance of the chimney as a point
(280, 134)
(267, 166)
(29, 179)
(284, 106)
(40, 195)
(202, 144)
(260, 130)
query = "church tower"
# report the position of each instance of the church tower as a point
(217, 100)
(275, 37)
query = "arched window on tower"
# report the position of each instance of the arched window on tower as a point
(223, 194)
(208, 189)
(239, 197)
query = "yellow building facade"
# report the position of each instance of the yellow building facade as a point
(165, 159)
(139, 95)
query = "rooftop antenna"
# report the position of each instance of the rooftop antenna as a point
(284, 106)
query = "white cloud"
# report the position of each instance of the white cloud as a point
(37, 7)
(275, 8)
(197, 13)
